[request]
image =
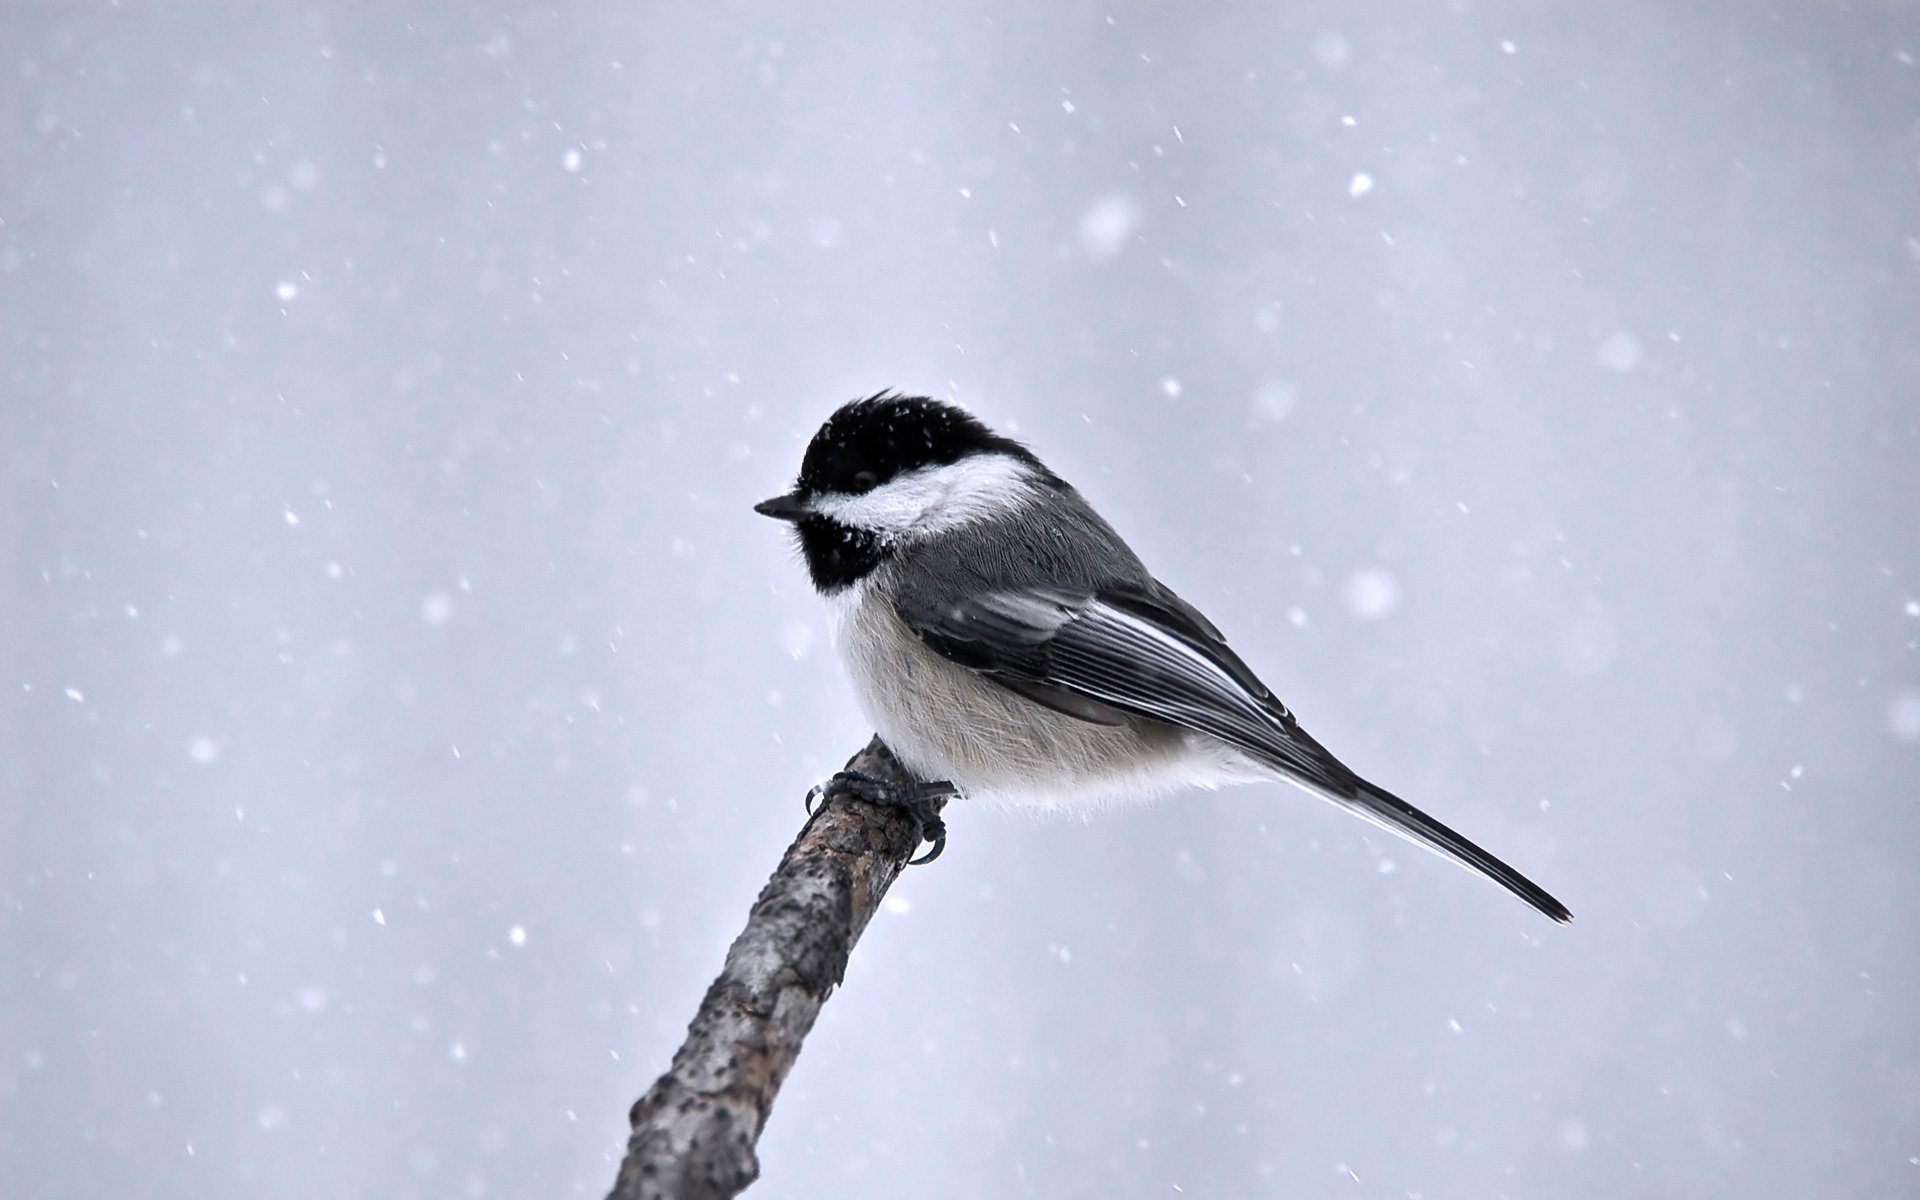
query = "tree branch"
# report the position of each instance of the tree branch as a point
(694, 1131)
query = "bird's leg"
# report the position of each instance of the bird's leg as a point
(916, 798)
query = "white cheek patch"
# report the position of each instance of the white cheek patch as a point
(933, 500)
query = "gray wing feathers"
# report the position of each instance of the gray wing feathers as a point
(1126, 651)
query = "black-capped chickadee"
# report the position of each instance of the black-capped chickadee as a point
(1008, 645)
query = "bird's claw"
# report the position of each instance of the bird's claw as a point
(916, 799)
(934, 832)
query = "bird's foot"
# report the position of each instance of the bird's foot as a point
(916, 798)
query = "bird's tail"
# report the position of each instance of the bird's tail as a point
(1395, 815)
(1302, 761)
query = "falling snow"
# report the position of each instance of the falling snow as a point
(406, 705)
(1619, 352)
(1372, 593)
(1108, 226)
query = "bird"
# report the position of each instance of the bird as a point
(1010, 647)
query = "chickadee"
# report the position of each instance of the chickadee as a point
(1007, 643)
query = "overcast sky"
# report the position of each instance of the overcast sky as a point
(400, 704)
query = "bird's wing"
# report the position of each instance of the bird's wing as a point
(1145, 652)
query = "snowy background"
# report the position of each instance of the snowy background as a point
(402, 704)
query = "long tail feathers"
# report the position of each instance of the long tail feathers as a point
(1395, 815)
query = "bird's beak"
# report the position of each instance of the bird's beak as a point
(790, 507)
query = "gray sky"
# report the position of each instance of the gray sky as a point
(402, 704)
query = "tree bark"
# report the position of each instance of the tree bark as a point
(695, 1130)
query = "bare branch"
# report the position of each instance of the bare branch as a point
(695, 1130)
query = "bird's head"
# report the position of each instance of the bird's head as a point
(888, 471)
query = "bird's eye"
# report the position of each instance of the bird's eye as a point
(865, 481)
